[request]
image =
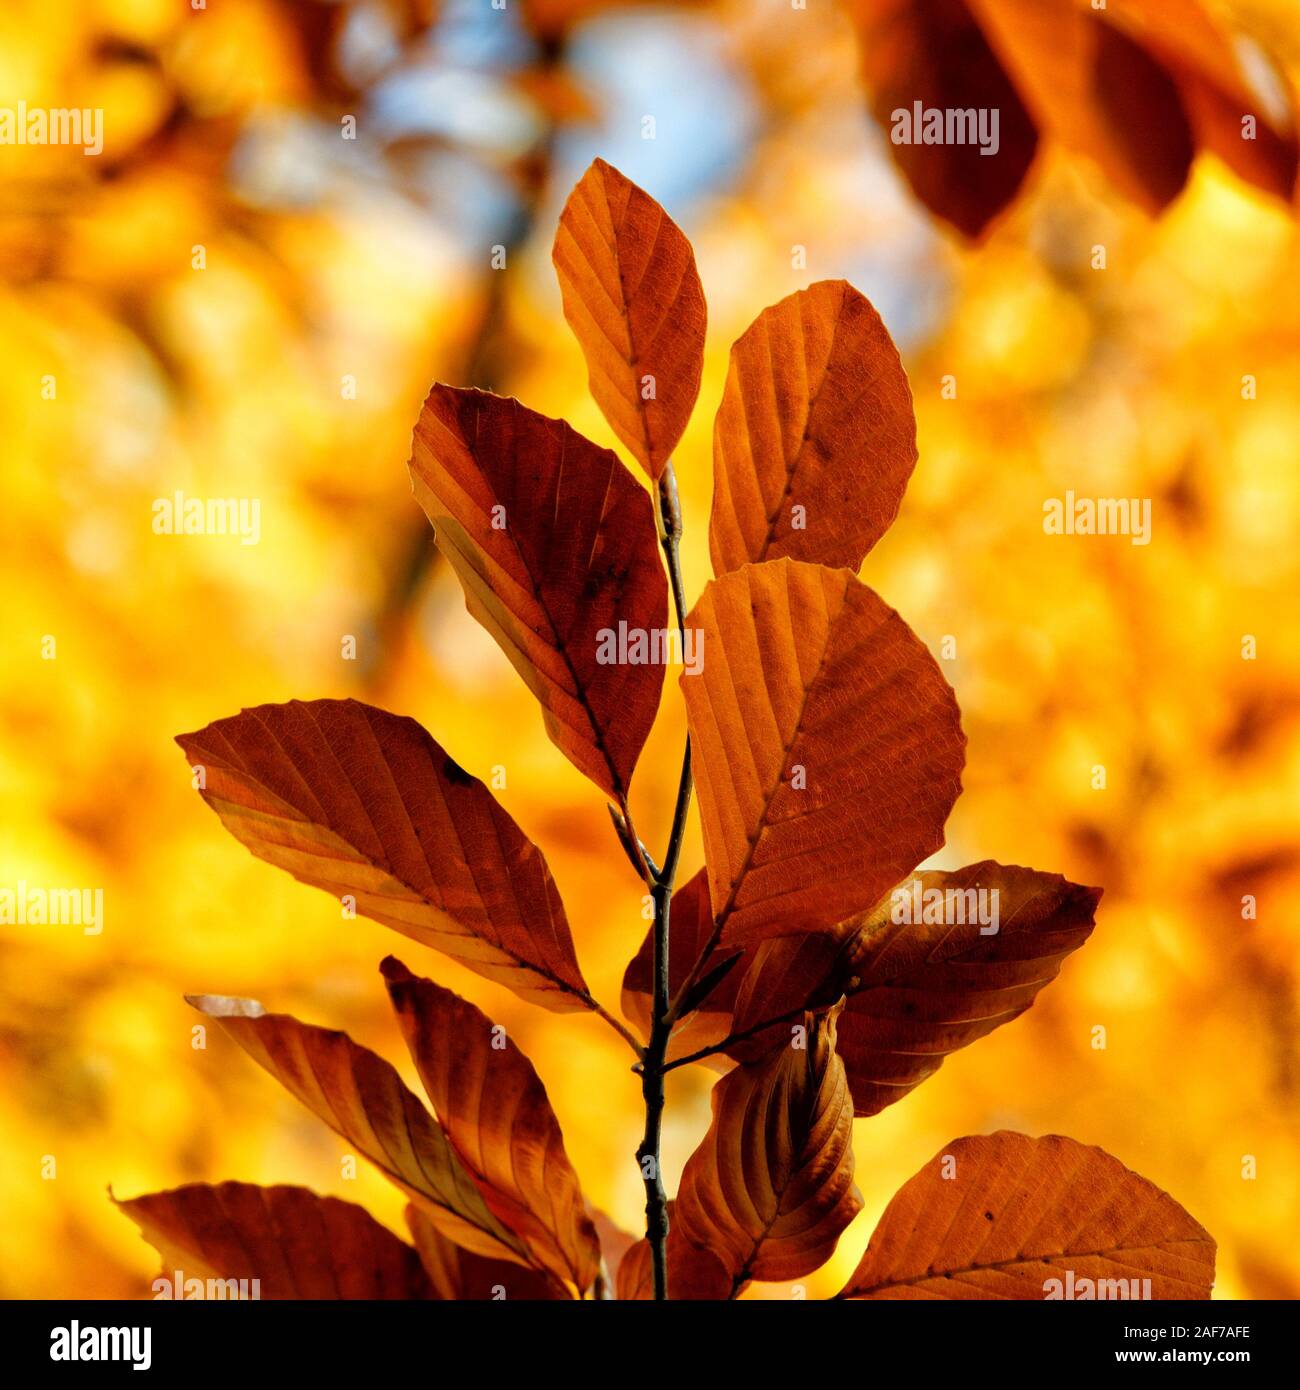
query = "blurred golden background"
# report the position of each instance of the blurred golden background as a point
(233, 301)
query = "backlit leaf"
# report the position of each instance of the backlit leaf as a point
(828, 748)
(367, 806)
(771, 1186)
(634, 301)
(555, 544)
(361, 1097)
(294, 1243)
(1001, 1215)
(457, 1273)
(494, 1110)
(815, 438)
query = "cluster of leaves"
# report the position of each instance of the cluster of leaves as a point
(1140, 89)
(828, 752)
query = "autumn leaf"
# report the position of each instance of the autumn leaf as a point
(691, 926)
(293, 1242)
(361, 1097)
(815, 438)
(933, 52)
(694, 1274)
(367, 806)
(457, 1273)
(555, 545)
(771, 1186)
(495, 1112)
(633, 299)
(828, 748)
(1002, 1215)
(918, 990)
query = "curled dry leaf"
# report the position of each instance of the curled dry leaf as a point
(771, 1186)
(293, 1242)
(555, 545)
(816, 414)
(1003, 1216)
(362, 1098)
(457, 1273)
(634, 301)
(365, 804)
(918, 990)
(494, 1110)
(828, 748)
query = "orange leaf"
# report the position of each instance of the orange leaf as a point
(1003, 1215)
(771, 1186)
(294, 1243)
(362, 1098)
(920, 989)
(555, 544)
(494, 1110)
(457, 1273)
(634, 301)
(828, 748)
(933, 52)
(694, 1274)
(365, 804)
(816, 414)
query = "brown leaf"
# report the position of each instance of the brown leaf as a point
(494, 1110)
(362, 1098)
(1096, 90)
(690, 927)
(694, 1274)
(771, 1186)
(919, 989)
(634, 301)
(457, 1273)
(295, 1243)
(363, 803)
(809, 678)
(555, 545)
(999, 1215)
(816, 414)
(934, 52)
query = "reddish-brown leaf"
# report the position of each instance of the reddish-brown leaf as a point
(634, 301)
(921, 989)
(694, 1274)
(1001, 1215)
(494, 1110)
(933, 52)
(828, 748)
(771, 1186)
(816, 415)
(293, 1242)
(457, 1273)
(555, 545)
(366, 805)
(362, 1098)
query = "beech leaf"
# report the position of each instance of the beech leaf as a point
(494, 1110)
(457, 1273)
(294, 1243)
(771, 1186)
(828, 748)
(1003, 1215)
(366, 805)
(555, 544)
(361, 1097)
(633, 298)
(816, 414)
